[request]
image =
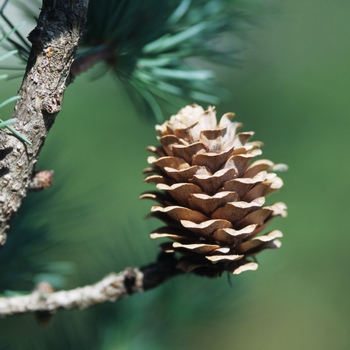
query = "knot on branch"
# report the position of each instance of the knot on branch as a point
(52, 104)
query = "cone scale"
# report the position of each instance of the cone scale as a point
(211, 193)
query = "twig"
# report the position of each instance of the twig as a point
(111, 288)
(88, 59)
(41, 180)
(54, 44)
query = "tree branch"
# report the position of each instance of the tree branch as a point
(54, 43)
(111, 288)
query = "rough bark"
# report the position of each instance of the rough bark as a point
(111, 288)
(54, 43)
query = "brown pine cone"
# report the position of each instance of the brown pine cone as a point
(211, 196)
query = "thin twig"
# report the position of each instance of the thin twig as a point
(111, 288)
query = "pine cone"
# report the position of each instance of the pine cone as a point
(211, 198)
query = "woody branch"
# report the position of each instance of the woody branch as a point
(54, 43)
(111, 288)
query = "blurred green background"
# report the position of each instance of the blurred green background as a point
(292, 89)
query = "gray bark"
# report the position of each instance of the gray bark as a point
(54, 43)
(111, 288)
